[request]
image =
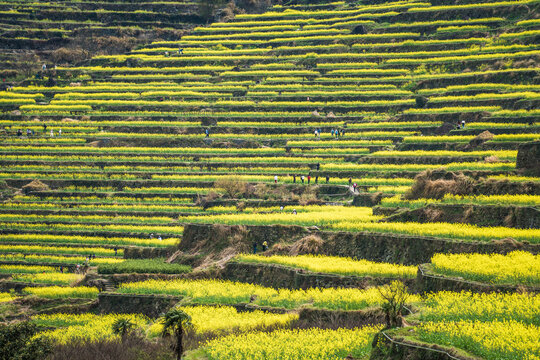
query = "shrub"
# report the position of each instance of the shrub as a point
(425, 187)
(17, 342)
(232, 186)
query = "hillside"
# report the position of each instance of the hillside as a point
(62, 32)
(394, 140)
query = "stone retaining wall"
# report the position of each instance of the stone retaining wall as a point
(278, 276)
(523, 217)
(387, 347)
(382, 247)
(149, 305)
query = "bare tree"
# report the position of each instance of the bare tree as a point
(395, 295)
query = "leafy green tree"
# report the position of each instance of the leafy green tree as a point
(176, 321)
(17, 342)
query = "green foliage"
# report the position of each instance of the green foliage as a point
(154, 266)
(176, 321)
(122, 326)
(17, 342)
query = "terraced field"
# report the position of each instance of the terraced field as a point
(60, 32)
(301, 163)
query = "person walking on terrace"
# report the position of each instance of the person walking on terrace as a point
(265, 246)
(254, 247)
(275, 179)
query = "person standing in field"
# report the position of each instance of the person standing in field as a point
(275, 179)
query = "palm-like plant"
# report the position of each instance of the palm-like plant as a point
(122, 326)
(176, 321)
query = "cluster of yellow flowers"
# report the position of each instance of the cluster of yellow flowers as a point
(6, 297)
(314, 344)
(313, 215)
(496, 340)
(83, 327)
(58, 292)
(335, 265)
(517, 267)
(226, 292)
(220, 320)
(443, 230)
(492, 326)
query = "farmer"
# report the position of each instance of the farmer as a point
(265, 246)
(275, 179)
